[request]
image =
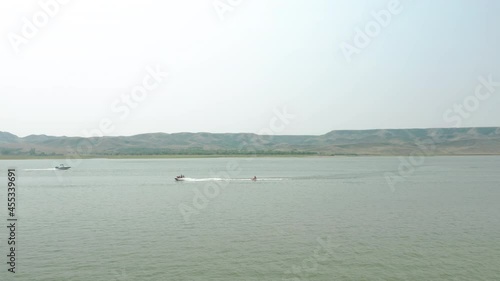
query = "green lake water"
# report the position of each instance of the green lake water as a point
(312, 218)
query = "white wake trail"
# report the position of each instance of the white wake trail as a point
(47, 169)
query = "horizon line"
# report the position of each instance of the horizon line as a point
(235, 133)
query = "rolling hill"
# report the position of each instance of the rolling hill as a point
(440, 141)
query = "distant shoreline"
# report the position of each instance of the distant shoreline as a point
(180, 156)
(24, 157)
(397, 142)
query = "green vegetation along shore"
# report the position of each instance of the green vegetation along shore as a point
(383, 142)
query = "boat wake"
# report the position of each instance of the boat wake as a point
(47, 169)
(227, 179)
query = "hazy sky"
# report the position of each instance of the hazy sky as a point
(232, 68)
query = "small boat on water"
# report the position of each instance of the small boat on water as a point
(180, 178)
(62, 167)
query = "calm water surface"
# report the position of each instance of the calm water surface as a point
(304, 219)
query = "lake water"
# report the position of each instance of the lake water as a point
(303, 219)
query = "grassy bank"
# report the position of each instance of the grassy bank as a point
(182, 156)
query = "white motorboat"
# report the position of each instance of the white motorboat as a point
(62, 167)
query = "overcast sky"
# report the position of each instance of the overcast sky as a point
(232, 65)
